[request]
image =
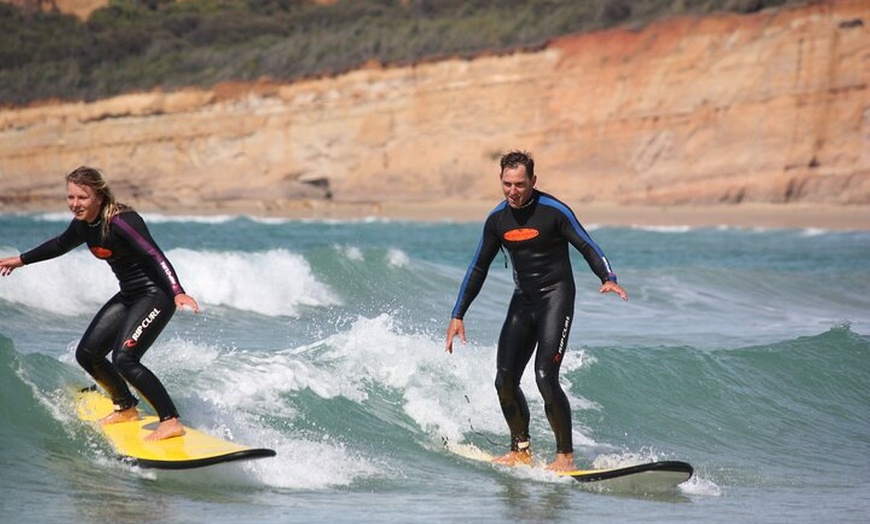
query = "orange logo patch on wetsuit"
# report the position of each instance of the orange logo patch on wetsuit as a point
(101, 252)
(518, 235)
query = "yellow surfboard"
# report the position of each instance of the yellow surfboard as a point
(651, 476)
(192, 450)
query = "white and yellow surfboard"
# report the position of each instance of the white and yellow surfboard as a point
(192, 450)
(650, 476)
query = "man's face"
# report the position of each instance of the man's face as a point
(517, 186)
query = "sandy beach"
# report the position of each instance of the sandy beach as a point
(752, 215)
(743, 215)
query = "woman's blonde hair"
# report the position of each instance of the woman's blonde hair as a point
(88, 176)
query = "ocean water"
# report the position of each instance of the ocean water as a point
(744, 352)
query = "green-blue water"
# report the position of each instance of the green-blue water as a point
(744, 352)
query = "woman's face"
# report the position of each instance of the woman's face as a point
(83, 202)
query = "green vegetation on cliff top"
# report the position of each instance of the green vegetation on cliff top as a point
(134, 45)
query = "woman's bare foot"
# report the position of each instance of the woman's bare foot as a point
(125, 415)
(166, 429)
(564, 462)
(515, 458)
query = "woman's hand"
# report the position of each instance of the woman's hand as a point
(182, 300)
(8, 264)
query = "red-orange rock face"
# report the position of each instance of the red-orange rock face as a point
(772, 107)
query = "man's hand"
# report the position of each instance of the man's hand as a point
(612, 287)
(456, 327)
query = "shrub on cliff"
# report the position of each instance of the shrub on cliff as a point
(143, 44)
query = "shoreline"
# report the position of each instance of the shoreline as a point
(767, 216)
(747, 215)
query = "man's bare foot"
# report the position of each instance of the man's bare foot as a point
(564, 462)
(167, 429)
(126, 415)
(515, 458)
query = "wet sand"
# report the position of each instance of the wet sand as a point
(742, 215)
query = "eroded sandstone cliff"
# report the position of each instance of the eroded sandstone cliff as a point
(769, 107)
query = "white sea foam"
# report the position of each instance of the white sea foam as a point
(664, 229)
(54, 217)
(397, 258)
(76, 284)
(156, 218)
(350, 252)
(275, 282)
(151, 218)
(308, 464)
(445, 395)
(229, 392)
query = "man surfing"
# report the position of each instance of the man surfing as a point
(536, 229)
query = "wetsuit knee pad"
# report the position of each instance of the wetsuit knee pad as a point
(126, 362)
(506, 383)
(87, 357)
(548, 385)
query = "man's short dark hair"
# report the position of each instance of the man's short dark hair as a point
(518, 158)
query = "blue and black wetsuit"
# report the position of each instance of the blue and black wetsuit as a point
(542, 306)
(130, 321)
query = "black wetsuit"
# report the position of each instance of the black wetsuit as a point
(541, 308)
(130, 321)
